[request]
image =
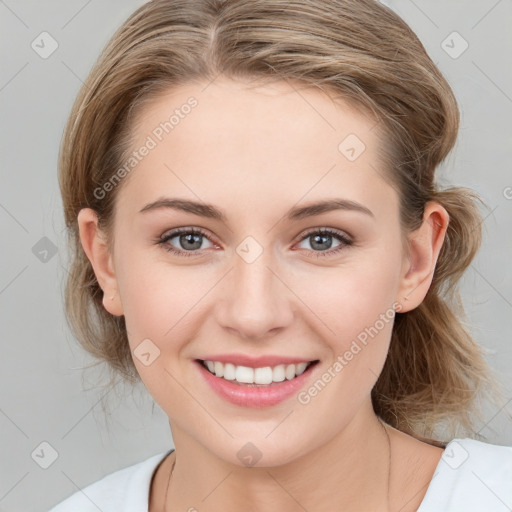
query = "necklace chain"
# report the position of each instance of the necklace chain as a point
(168, 484)
(389, 468)
(389, 459)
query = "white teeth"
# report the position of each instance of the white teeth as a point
(244, 374)
(229, 371)
(290, 372)
(301, 367)
(262, 376)
(278, 373)
(219, 369)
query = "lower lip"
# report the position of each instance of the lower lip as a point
(245, 395)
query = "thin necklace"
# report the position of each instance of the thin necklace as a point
(389, 468)
(389, 458)
(168, 483)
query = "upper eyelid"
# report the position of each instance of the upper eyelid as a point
(171, 233)
(332, 231)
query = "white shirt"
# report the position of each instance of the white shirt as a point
(471, 476)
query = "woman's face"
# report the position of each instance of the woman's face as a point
(263, 278)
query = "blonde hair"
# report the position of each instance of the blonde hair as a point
(358, 50)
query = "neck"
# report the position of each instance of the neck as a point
(348, 472)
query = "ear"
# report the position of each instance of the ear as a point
(424, 246)
(95, 246)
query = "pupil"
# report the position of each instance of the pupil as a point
(323, 241)
(190, 239)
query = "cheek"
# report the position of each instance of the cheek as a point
(158, 303)
(358, 309)
(354, 296)
(155, 293)
(356, 303)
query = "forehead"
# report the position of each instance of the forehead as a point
(268, 143)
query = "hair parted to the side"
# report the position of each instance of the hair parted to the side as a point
(356, 50)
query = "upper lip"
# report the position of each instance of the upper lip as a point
(255, 362)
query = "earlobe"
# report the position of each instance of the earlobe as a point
(424, 247)
(94, 244)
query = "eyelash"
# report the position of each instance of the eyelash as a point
(345, 241)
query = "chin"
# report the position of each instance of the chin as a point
(260, 453)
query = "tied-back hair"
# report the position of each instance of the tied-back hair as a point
(357, 50)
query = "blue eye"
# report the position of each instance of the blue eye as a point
(322, 239)
(189, 238)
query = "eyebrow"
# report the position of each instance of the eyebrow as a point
(296, 213)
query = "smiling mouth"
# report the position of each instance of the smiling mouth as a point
(255, 377)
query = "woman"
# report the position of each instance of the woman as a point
(258, 236)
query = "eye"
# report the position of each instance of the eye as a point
(190, 240)
(321, 241)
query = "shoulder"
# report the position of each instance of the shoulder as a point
(471, 476)
(125, 490)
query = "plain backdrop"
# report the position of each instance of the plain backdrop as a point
(46, 397)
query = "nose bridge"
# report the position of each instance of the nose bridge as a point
(254, 300)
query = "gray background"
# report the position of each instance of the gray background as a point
(46, 396)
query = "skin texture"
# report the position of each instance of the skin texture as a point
(255, 153)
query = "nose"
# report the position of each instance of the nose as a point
(254, 300)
